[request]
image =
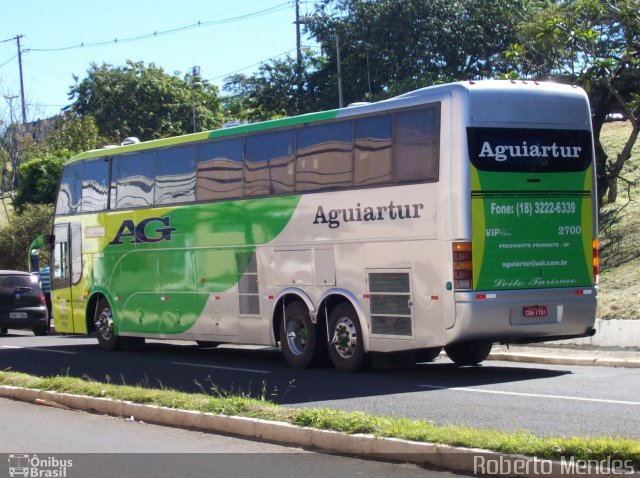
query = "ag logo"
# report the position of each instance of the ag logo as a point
(145, 231)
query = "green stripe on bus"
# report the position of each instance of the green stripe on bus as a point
(163, 285)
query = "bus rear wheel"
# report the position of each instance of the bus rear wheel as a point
(346, 348)
(428, 355)
(469, 353)
(303, 343)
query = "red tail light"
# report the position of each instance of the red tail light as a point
(462, 266)
(42, 299)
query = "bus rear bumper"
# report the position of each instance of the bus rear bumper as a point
(524, 316)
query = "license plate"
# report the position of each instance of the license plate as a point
(534, 311)
(17, 315)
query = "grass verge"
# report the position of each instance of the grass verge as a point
(619, 295)
(581, 448)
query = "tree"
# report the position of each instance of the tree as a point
(39, 180)
(387, 47)
(595, 44)
(276, 90)
(73, 133)
(144, 101)
(392, 46)
(16, 236)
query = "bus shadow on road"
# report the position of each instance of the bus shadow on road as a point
(259, 372)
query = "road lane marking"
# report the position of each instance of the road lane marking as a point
(189, 364)
(532, 395)
(38, 349)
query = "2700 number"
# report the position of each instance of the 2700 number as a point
(570, 230)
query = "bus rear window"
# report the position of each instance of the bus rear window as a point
(518, 150)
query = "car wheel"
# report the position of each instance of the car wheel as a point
(41, 331)
(3, 330)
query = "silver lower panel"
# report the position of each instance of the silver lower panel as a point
(506, 316)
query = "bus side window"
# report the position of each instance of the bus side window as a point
(373, 158)
(219, 173)
(70, 193)
(269, 164)
(95, 189)
(176, 175)
(416, 145)
(324, 156)
(135, 179)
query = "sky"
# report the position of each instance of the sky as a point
(234, 36)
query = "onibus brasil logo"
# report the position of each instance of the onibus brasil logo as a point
(40, 467)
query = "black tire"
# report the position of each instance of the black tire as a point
(103, 321)
(469, 353)
(346, 347)
(41, 331)
(303, 343)
(428, 355)
(3, 330)
(205, 344)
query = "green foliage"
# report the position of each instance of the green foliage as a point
(73, 133)
(594, 44)
(386, 47)
(278, 89)
(21, 229)
(144, 101)
(398, 45)
(39, 180)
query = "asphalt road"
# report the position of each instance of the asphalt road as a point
(92, 446)
(543, 399)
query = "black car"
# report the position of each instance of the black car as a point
(22, 303)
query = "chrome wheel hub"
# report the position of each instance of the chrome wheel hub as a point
(297, 336)
(345, 337)
(104, 323)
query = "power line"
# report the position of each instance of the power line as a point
(9, 60)
(155, 34)
(260, 62)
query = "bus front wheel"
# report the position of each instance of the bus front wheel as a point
(303, 343)
(346, 347)
(103, 322)
(469, 353)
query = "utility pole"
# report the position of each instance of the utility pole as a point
(24, 108)
(195, 83)
(298, 59)
(298, 46)
(340, 97)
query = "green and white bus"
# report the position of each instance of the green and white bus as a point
(453, 216)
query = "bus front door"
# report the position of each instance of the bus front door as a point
(66, 272)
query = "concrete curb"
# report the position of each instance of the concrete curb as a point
(559, 360)
(466, 460)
